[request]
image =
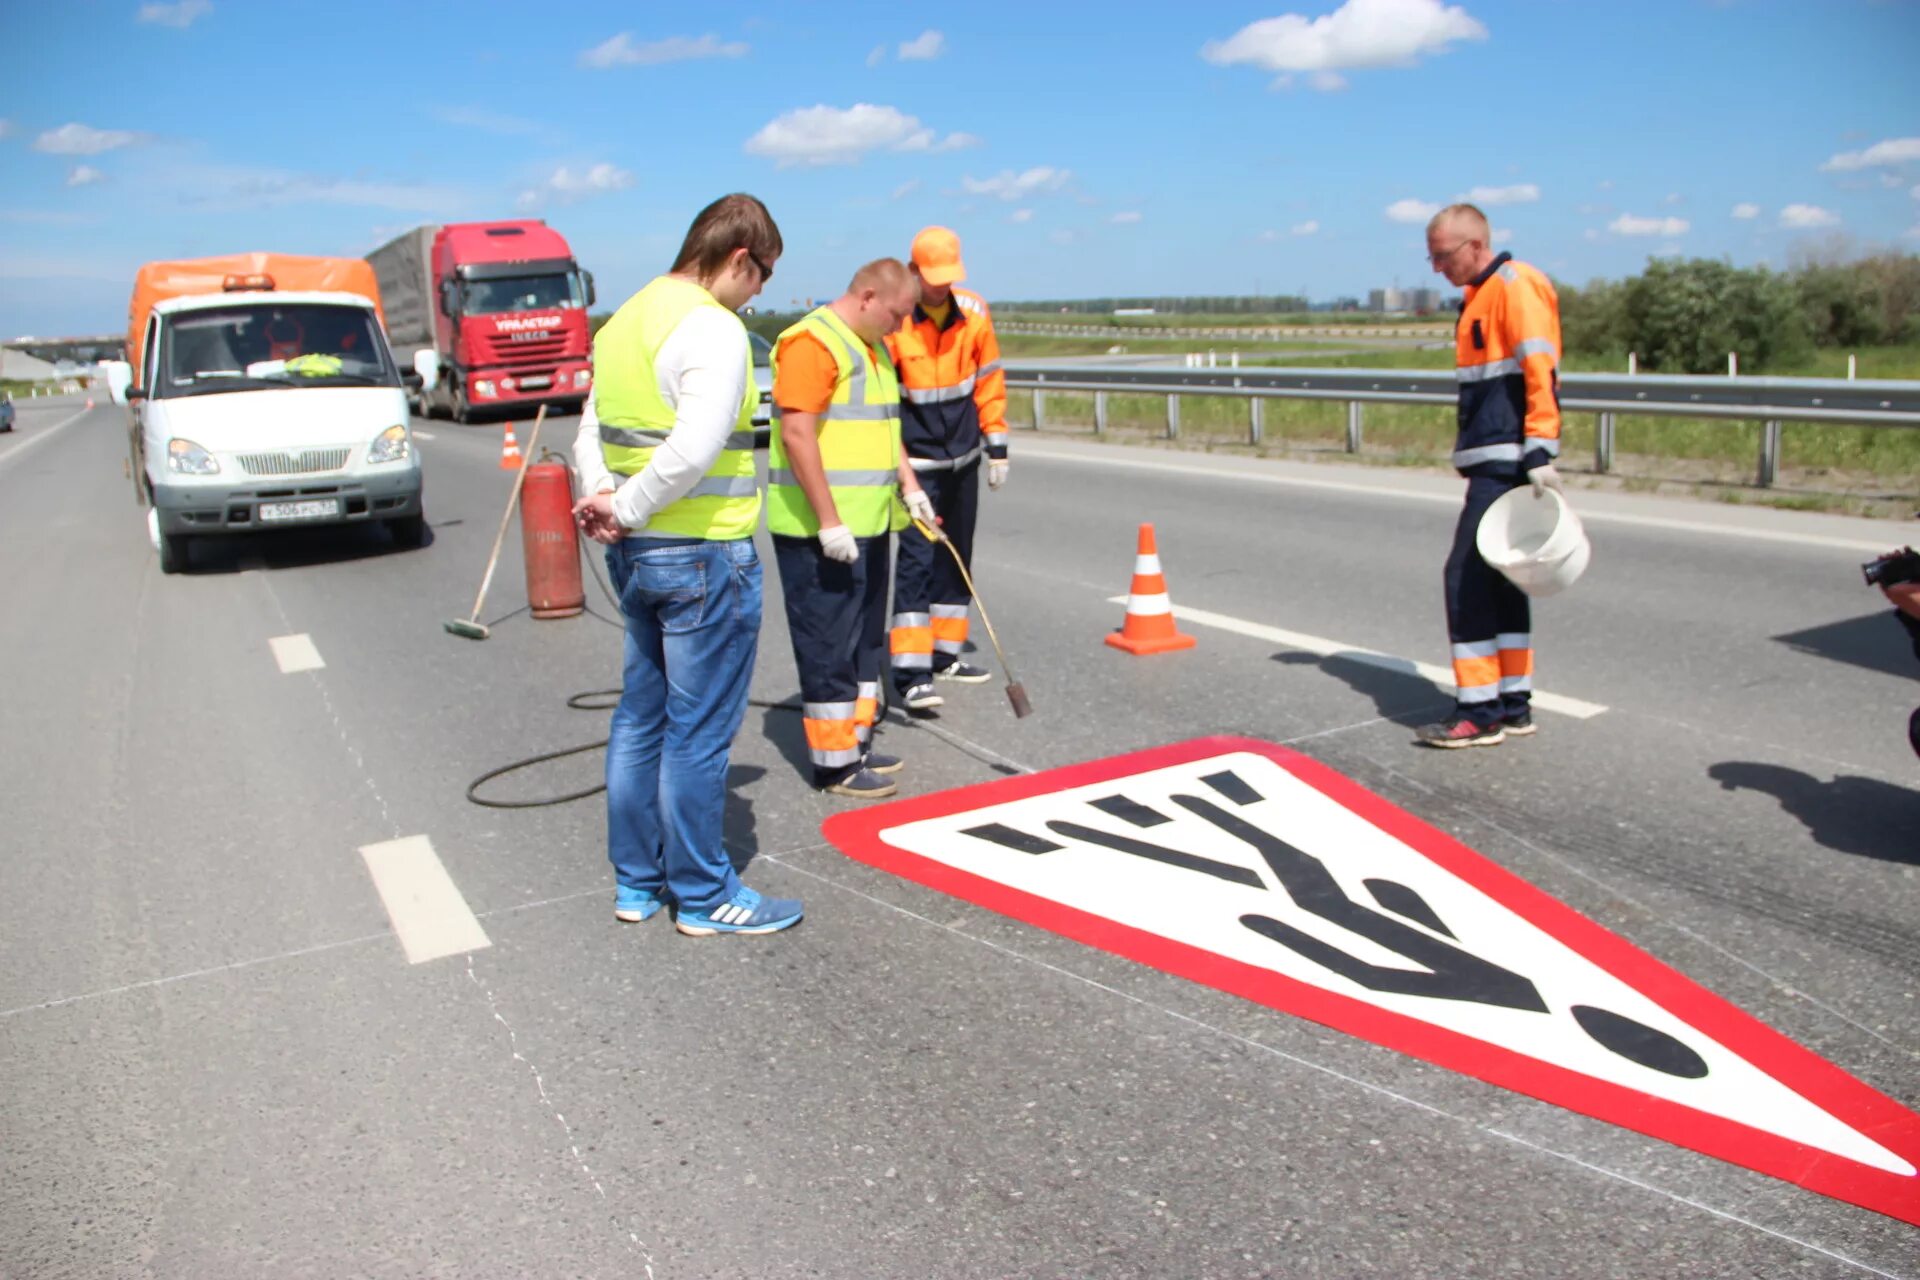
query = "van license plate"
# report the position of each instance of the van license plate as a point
(321, 509)
(536, 383)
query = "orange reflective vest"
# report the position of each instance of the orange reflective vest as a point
(1507, 358)
(953, 394)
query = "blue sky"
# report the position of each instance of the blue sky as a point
(1080, 150)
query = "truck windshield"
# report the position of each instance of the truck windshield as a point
(502, 294)
(256, 346)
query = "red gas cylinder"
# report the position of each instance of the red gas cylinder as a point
(551, 542)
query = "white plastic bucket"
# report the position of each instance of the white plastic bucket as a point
(1537, 542)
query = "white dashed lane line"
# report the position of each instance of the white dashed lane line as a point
(296, 653)
(428, 914)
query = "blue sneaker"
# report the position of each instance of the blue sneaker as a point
(631, 906)
(745, 912)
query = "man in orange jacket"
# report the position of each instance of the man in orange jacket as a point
(1507, 358)
(953, 406)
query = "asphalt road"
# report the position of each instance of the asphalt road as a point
(219, 1060)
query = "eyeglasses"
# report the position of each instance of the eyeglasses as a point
(766, 272)
(1435, 259)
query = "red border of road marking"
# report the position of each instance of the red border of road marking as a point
(1872, 1113)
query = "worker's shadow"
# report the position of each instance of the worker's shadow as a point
(1860, 816)
(739, 829)
(1397, 695)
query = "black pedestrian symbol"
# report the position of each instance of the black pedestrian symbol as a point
(1446, 969)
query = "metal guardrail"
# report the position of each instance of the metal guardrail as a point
(1770, 401)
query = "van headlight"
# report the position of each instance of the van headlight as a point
(391, 446)
(186, 458)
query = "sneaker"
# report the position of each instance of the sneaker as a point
(862, 784)
(964, 673)
(1459, 732)
(1519, 726)
(883, 764)
(745, 912)
(631, 906)
(921, 697)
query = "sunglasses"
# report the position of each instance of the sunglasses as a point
(766, 272)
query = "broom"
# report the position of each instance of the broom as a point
(1016, 692)
(470, 626)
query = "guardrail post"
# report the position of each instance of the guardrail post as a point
(1099, 413)
(1173, 417)
(1603, 444)
(1769, 453)
(1256, 419)
(1353, 426)
(1039, 409)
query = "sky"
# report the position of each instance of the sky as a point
(1080, 150)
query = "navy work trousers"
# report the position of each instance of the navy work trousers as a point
(837, 618)
(1487, 619)
(928, 631)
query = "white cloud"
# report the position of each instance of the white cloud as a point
(1020, 215)
(1327, 81)
(1629, 225)
(1892, 151)
(1746, 211)
(6, 128)
(1359, 34)
(1008, 185)
(1892, 180)
(1805, 217)
(84, 175)
(1063, 237)
(823, 135)
(82, 140)
(1126, 217)
(906, 188)
(1915, 193)
(1673, 198)
(1502, 235)
(1306, 228)
(255, 189)
(927, 46)
(1411, 210)
(1590, 234)
(485, 121)
(877, 55)
(569, 185)
(180, 15)
(1519, 193)
(624, 51)
(1267, 237)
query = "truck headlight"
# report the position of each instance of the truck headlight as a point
(483, 387)
(391, 446)
(582, 377)
(186, 458)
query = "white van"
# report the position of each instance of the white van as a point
(262, 410)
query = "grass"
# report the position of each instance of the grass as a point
(1027, 346)
(1202, 320)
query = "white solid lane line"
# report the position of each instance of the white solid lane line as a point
(1441, 676)
(423, 435)
(40, 436)
(429, 915)
(296, 653)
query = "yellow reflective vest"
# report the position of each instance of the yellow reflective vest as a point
(859, 439)
(635, 419)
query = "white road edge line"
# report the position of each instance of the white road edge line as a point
(429, 916)
(1453, 500)
(424, 435)
(1441, 676)
(45, 434)
(296, 653)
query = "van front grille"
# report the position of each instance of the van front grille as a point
(292, 464)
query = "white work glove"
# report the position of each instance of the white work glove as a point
(837, 544)
(997, 469)
(920, 507)
(1543, 478)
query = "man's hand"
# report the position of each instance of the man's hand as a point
(837, 544)
(997, 469)
(920, 507)
(1543, 478)
(594, 514)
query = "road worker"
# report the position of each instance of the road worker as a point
(953, 416)
(1507, 353)
(837, 486)
(665, 457)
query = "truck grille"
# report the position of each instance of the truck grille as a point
(527, 350)
(293, 464)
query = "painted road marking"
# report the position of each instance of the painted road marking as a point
(1441, 676)
(423, 435)
(1453, 500)
(428, 913)
(1258, 871)
(296, 653)
(41, 436)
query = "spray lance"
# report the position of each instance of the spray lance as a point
(1016, 692)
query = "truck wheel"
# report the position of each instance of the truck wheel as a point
(409, 531)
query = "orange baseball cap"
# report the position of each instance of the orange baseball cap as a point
(936, 254)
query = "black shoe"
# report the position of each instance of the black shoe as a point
(964, 673)
(921, 697)
(862, 784)
(1519, 726)
(1459, 732)
(883, 764)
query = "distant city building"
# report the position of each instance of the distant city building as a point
(1397, 300)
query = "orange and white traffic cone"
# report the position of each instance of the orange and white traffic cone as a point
(1149, 623)
(510, 458)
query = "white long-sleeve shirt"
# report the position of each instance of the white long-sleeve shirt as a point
(701, 370)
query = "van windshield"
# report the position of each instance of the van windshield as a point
(264, 345)
(501, 294)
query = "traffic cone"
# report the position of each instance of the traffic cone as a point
(1149, 623)
(510, 458)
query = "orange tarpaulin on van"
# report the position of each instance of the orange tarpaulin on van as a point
(158, 281)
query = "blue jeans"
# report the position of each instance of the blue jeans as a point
(692, 610)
